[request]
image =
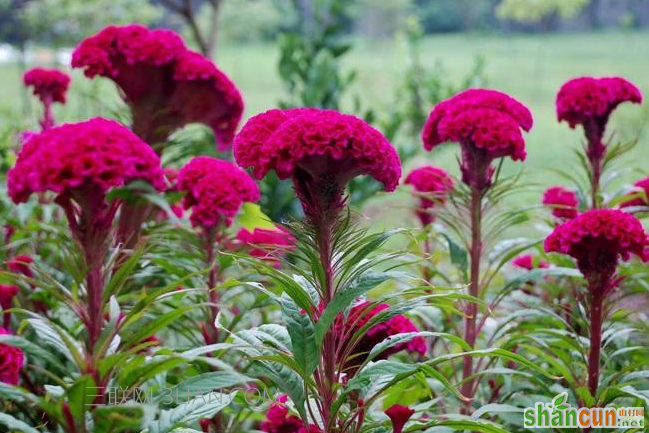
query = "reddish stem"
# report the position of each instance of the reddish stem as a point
(48, 118)
(470, 331)
(597, 301)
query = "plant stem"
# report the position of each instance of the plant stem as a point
(597, 301)
(212, 278)
(471, 312)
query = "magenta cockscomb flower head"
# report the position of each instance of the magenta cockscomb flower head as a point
(598, 239)
(267, 244)
(589, 102)
(431, 185)
(50, 86)
(21, 265)
(562, 201)
(359, 315)
(639, 197)
(165, 85)
(529, 262)
(215, 190)
(320, 150)
(399, 416)
(11, 361)
(486, 123)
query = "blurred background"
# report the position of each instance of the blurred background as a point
(389, 61)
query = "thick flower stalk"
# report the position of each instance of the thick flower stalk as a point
(11, 361)
(430, 186)
(589, 102)
(214, 192)
(561, 201)
(598, 239)
(320, 151)
(165, 85)
(81, 162)
(50, 86)
(488, 125)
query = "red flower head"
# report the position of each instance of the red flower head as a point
(362, 313)
(11, 361)
(432, 184)
(321, 150)
(399, 415)
(50, 85)
(165, 85)
(7, 293)
(562, 201)
(20, 265)
(589, 102)
(641, 197)
(87, 157)
(278, 420)
(597, 239)
(216, 189)
(267, 244)
(486, 123)
(527, 261)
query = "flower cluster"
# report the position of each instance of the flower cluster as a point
(215, 190)
(320, 149)
(11, 361)
(529, 262)
(583, 100)
(21, 265)
(278, 420)
(50, 85)
(166, 85)
(97, 153)
(562, 201)
(399, 416)
(641, 197)
(266, 244)
(432, 184)
(486, 123)
(359, 316)
(597, 239)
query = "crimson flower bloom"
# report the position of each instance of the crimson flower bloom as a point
(529, 262)
(266, 244)
(432, 185)
(215, 189)
(50, 86)
(641, 198)
(598, 239)
(486, 123)
(562, 201)
(320, 150)
(278, 420)
(165, 85)
(359, 316)
(21, 265)
(589, 102)
(399, 415)
(11, 361)
(7, 293)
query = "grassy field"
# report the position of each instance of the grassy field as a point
(530, 67)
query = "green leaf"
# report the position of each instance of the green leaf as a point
(80, 394)
(495, 408)
(251, 217)
(459, 256)
(306, 350)
(16, 425)
(115, 419)
(189, 412)
(212, 380)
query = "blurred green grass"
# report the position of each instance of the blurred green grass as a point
(530, 67)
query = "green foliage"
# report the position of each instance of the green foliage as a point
(534, 11)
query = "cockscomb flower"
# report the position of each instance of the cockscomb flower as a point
(165, 85)
(320, 150)
(279, 420)
(7, 293)
(361, 314)
(21, 265)
(11, 361)
(641, 197)
(267, 244)
(486, 123)
(399, 416)
(529, 262)
(215, 190)
(50, 86)
(562, 201)
(84, 160)
(598, 239)
(431, 185)
(589, 102)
